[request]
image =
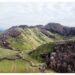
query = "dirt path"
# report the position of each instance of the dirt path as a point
(41, 67)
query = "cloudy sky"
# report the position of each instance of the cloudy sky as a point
(36, 13)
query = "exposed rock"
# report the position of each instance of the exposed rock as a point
(60, 29)
(23, 26)
(47, 33)
(37, 26)
(12, 32)
(62, 59)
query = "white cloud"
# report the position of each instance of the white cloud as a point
(36, 13)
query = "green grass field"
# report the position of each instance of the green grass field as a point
(20, 66)
(17, 65)
(7, 53)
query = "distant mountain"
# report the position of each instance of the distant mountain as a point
(58, 28)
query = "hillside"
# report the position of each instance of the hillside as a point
(26, 38)
(62, 58)
(24, 48)
(43, 49)
(59, 56)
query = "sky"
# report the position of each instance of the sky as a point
(31, 13)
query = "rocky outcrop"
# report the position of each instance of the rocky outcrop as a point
(12, 32)
(23, 26)
(62, 58)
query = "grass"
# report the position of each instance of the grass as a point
(7, 53)
(42, 50)
(49, 71)
(16, 66)
(29, 39)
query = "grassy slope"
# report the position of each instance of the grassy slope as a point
(17, 65)
(7, 53)
(26, 42)
(42, 50)
(45, 48)
(30, 38)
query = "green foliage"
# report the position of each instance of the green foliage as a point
(42, 50)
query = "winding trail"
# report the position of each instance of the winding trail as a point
(41, 67)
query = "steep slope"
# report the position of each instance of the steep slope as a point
(62, 58)
(42, 50)
(58, 56)
(26, 38)
(17, 42)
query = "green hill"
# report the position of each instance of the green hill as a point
(22, 47)
(17, 42)
(43, 49)
(26, 38)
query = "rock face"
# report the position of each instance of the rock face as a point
(62, 58)
(12, 32)
(55, 27)
(23, 26)
(58, 28)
